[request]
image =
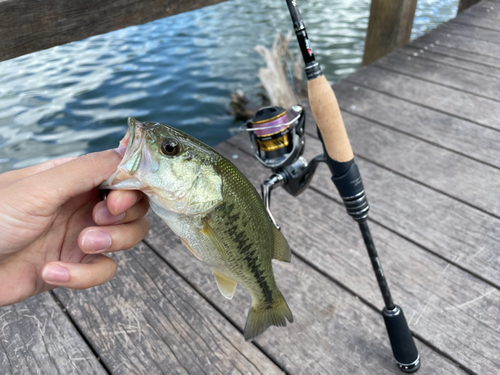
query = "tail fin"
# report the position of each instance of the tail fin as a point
(261, 317)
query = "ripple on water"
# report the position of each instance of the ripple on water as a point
(75, 98)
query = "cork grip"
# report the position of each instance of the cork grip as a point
(326, 112)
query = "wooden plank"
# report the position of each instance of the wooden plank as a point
(471, 82)
(426, 54)
(429, 164)
(478, 33)
(481, 111)
(332, 329)
(474, 20)
(434, 127)
(321, 232)
(389, 27)
(457, 232)
(28, 26)
(431, 42)
(148, 320)
(463, 43)
(486, 9)
(37, 337)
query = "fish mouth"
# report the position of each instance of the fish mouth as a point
(136, 162)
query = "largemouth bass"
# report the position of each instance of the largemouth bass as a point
(214, 209)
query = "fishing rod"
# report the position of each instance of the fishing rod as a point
(278, 143)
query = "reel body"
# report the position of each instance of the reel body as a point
(277, 141)
(278, 144)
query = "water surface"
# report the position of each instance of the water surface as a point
(180, 70)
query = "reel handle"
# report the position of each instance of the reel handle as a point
(327, 114)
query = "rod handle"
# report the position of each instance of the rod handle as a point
(327, 114)
(403, 347)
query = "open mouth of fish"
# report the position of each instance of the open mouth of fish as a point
(136, 162)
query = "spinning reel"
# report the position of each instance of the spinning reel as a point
(277, 138)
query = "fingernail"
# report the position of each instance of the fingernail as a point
(125, 139)
(105, 217)
(121, 150)
(96, 240)
(55, 274)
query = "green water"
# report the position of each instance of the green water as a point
(180, 70)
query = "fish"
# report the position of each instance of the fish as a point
(214, 209)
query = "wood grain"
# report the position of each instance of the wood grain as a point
(32, 25)
(447, 100)
(432, 42)
(457, 78)
(37, 337)
(424, 123)
(149, 320)
(479, 33)
(435, 56)
(454, 175)
(474, 20)
(447, 227)
(389, 27)
(463, 43)
(488, 9)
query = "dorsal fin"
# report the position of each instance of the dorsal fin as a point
(281, 249)
(227, 286)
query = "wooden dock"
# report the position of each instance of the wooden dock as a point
(424, 122)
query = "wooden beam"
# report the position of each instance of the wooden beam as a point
(464, 4)
(32, 25)
(389, 27)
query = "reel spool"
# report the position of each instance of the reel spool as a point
(276, 140)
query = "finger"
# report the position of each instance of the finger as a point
(55, 186)
(94, 240)
(103, 216)
(12, 176)
(94, 270)
(119, 201)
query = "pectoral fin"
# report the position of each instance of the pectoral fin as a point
(226, 285)
(281, 249)
(214, 238)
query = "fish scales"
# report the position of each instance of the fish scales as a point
(240, 228)
(215, 211)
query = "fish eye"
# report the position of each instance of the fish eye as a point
(170, 147)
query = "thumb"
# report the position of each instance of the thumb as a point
(59, 184)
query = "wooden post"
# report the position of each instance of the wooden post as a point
(31, 25)
(389, 27)
(464, 4)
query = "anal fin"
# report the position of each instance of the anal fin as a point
(227, 286)
(281, 249)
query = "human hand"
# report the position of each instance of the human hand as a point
(54, 225)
